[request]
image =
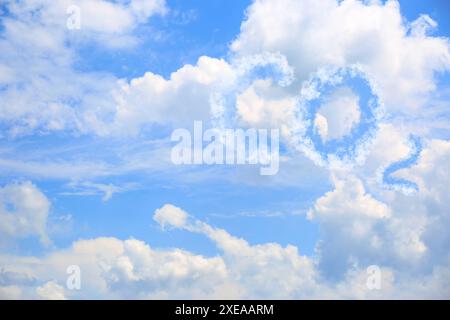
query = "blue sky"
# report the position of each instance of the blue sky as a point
(192, 29)
(86, 117)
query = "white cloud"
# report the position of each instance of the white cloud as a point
(258, 267)
(119, 269)
(179, 100)
(10, 292)
(86, 188)
(96, 16)
(321, 126)
(260, 105)
(113, 268)
(144, 272)
(389, 145)
(431, 173)
(349, 198)
(401, 57)
(51, 291)
(357, 228)
(342, 113)
(43, 90)
(23, 212)
(360, 222)
(171, 216)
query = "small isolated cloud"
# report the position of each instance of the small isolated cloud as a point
(171, 216)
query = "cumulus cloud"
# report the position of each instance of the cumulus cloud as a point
(38, 57)
(341, 112)
(10, 293)
(355, 227)
(51, 291)
(118, 269)
(262, 105)
(401, 57)
(179, 100)
(431, 173)
(357, 202)
(171, 216)
(23, 212)
(99, 20)
(131, 268)
(361, 222)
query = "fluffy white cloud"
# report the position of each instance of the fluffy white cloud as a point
(349, 198)
(180, 100)
(116, 268)
(104, 18)
(42, 88)
(257, 268)
(10, 293)
(130, 268)
(341, 113)
(401, 57)
(431, 173)
(263, 105)
(366, 222)
(171, 215)
(361, 222)
(23, 212)
(348, 217)
(51, 291)
(321, 126)
(142, 271)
